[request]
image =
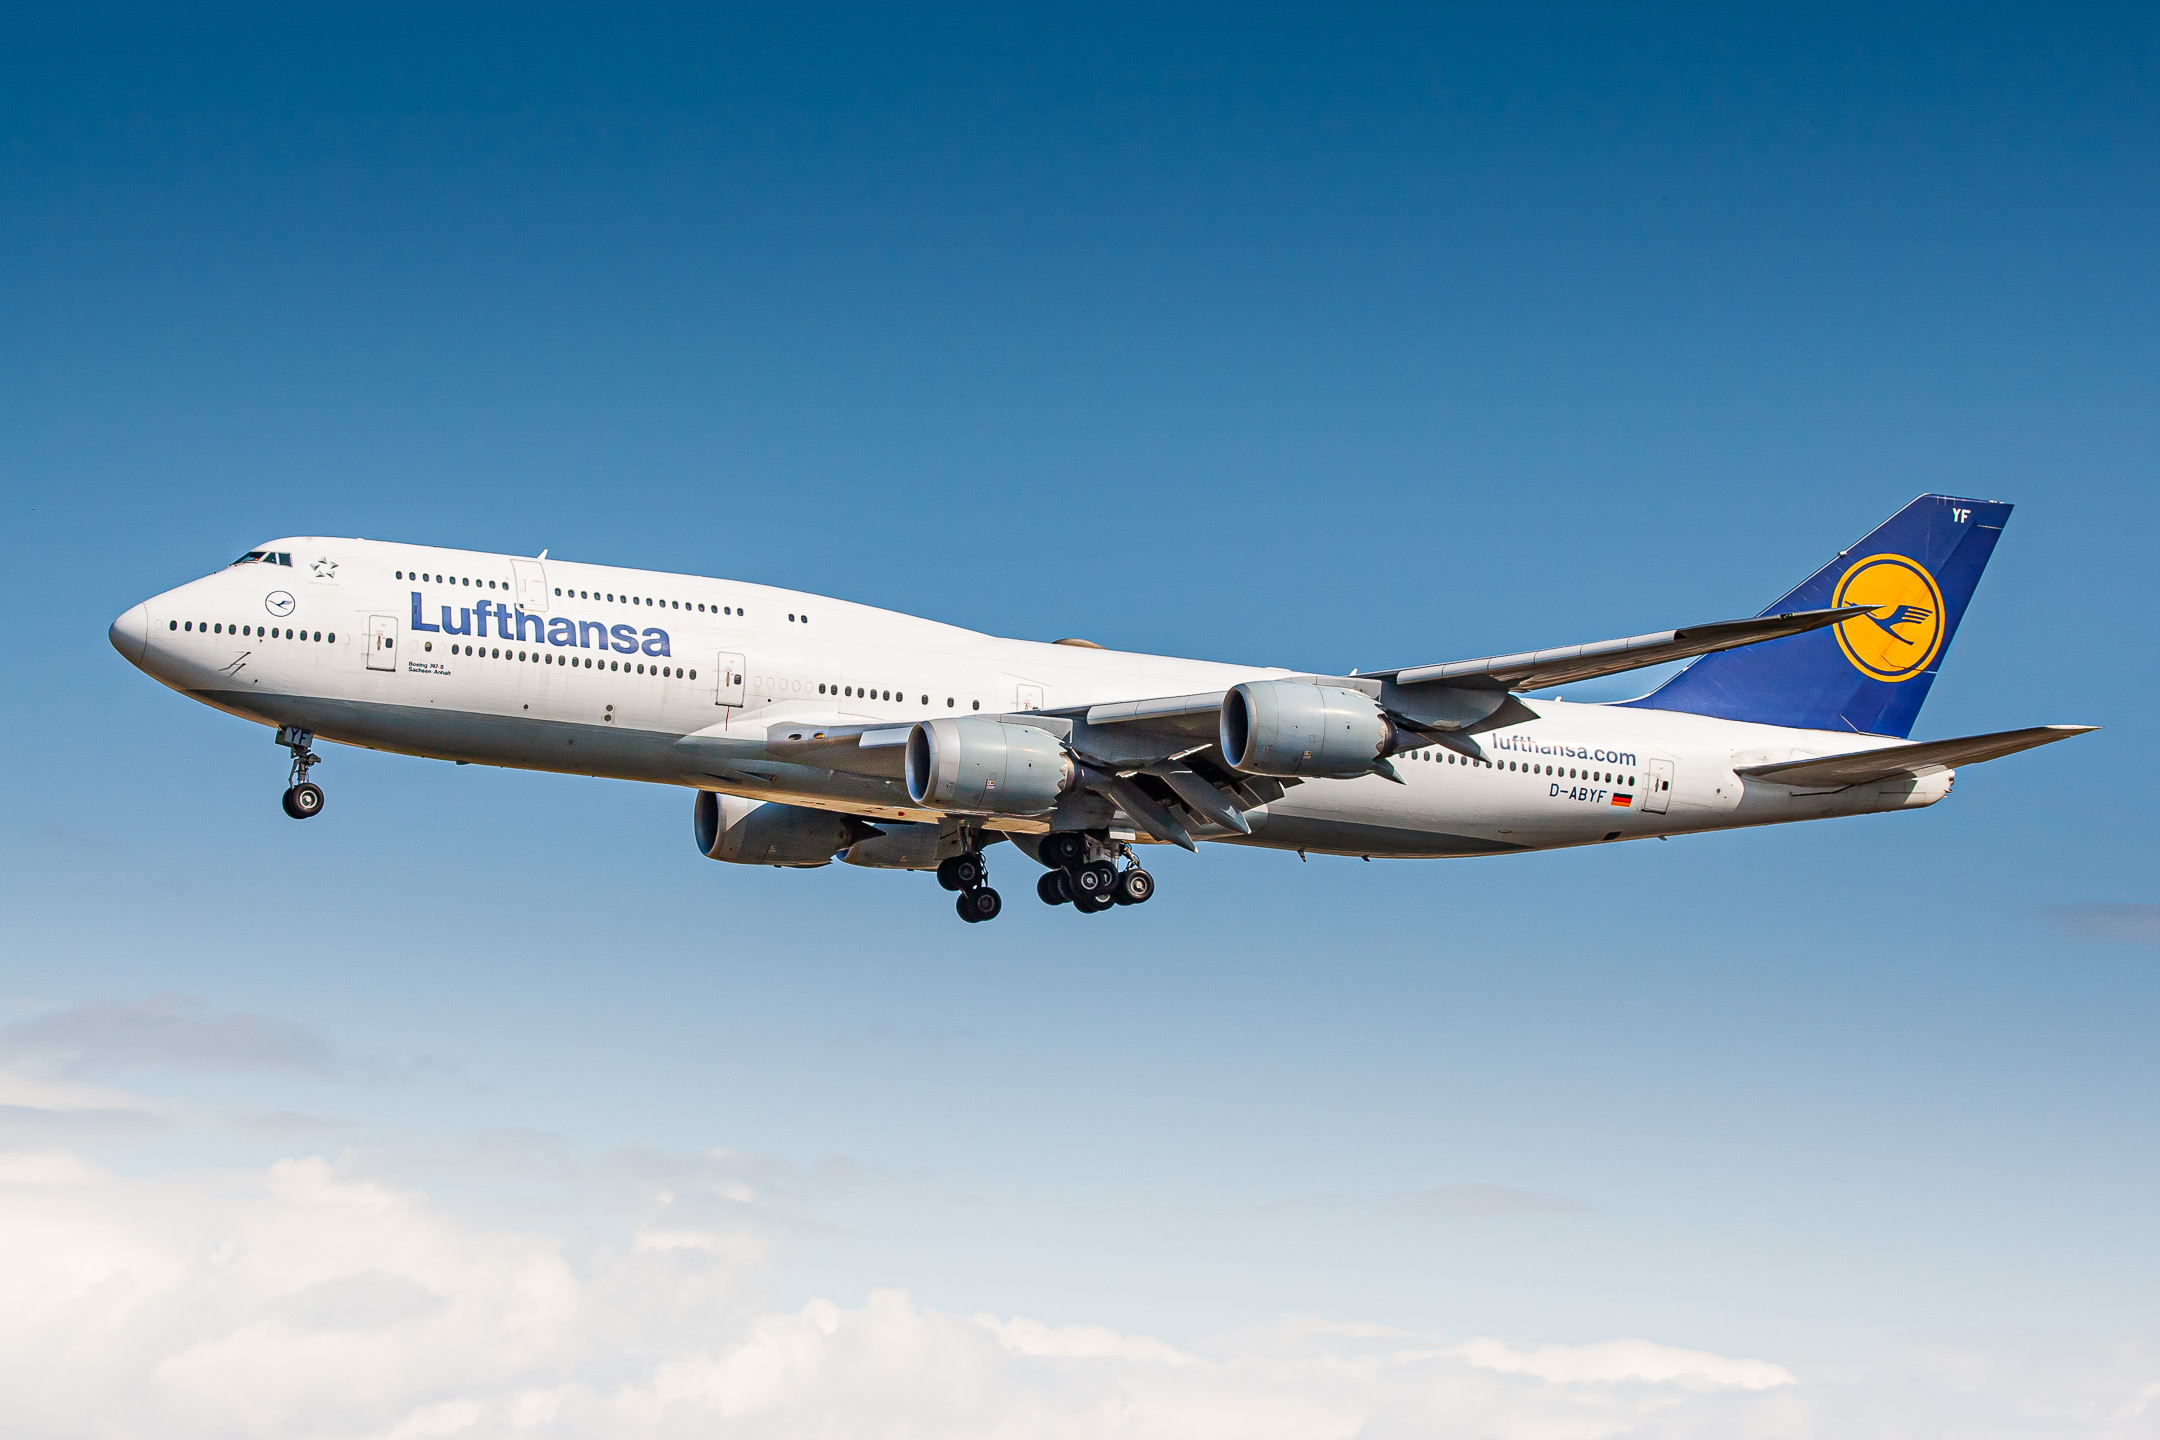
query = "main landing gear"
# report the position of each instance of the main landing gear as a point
(967, 874)
(1083, 875)
(303, 797)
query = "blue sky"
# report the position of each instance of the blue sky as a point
(1266, 335)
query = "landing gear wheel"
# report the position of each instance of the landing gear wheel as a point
(1092, 904)
(304, 801)
(976, 906)
(964, 871)
(1064, 848)
(1135, 886)
(1054, 888)
(1097, 878)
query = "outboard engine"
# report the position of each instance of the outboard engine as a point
(765, 832)
(979, 766)
(1297, 728)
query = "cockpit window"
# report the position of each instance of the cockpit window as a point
(251, 558)
(264, 557)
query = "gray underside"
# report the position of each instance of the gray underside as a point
(513, 741)
(523, 743)
(1350, 837)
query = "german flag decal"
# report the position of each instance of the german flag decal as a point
(1623, 801)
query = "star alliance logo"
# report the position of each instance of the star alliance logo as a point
(325, 569)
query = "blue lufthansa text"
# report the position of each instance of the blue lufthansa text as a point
(513, 623)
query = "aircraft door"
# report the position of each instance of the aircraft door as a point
(1659, 793)
(728, 688)
(1027, 697)
(532, 591)
(382, 642)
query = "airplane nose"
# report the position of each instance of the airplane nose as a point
(130, 634)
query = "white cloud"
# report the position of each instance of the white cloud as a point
(314, 1298)
(169, 1030)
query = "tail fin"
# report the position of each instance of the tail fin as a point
(1870, 673)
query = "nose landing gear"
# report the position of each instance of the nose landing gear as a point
(303, 797)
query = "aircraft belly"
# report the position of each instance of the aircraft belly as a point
(1377, 817)
(516, 741)
(1354, 837)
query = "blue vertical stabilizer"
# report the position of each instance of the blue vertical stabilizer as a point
(1870, 673)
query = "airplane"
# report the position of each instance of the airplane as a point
(811, 728)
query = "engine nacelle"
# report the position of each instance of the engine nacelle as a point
(978, 766)
(765, 832)
(1294, 727)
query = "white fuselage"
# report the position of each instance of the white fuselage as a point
(630, 674)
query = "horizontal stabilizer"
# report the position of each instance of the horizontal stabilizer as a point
(1537, 669)
(1894, 761)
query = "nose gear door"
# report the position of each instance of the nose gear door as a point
(382, 642)
(729, 689)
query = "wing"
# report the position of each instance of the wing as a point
(1537, 669)
(1893, 761)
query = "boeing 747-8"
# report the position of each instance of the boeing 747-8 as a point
(811, 729)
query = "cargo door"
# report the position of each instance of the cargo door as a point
(382, 642)
(1658, 794)
(1027, 697)
(728, 687)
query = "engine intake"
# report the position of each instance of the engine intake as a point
(765, 832)
(1296, 728)
(976, 765)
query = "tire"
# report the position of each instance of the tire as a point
(1135, 886)
(1099, 878)
(1053, 888)
(304, 801)
(969, 870)
(1093, 904)
(945, 876)
(1064, 848)
(976, 906)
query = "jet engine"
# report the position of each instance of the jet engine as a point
(1294, 727)
(976, 765)
(765, 832)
